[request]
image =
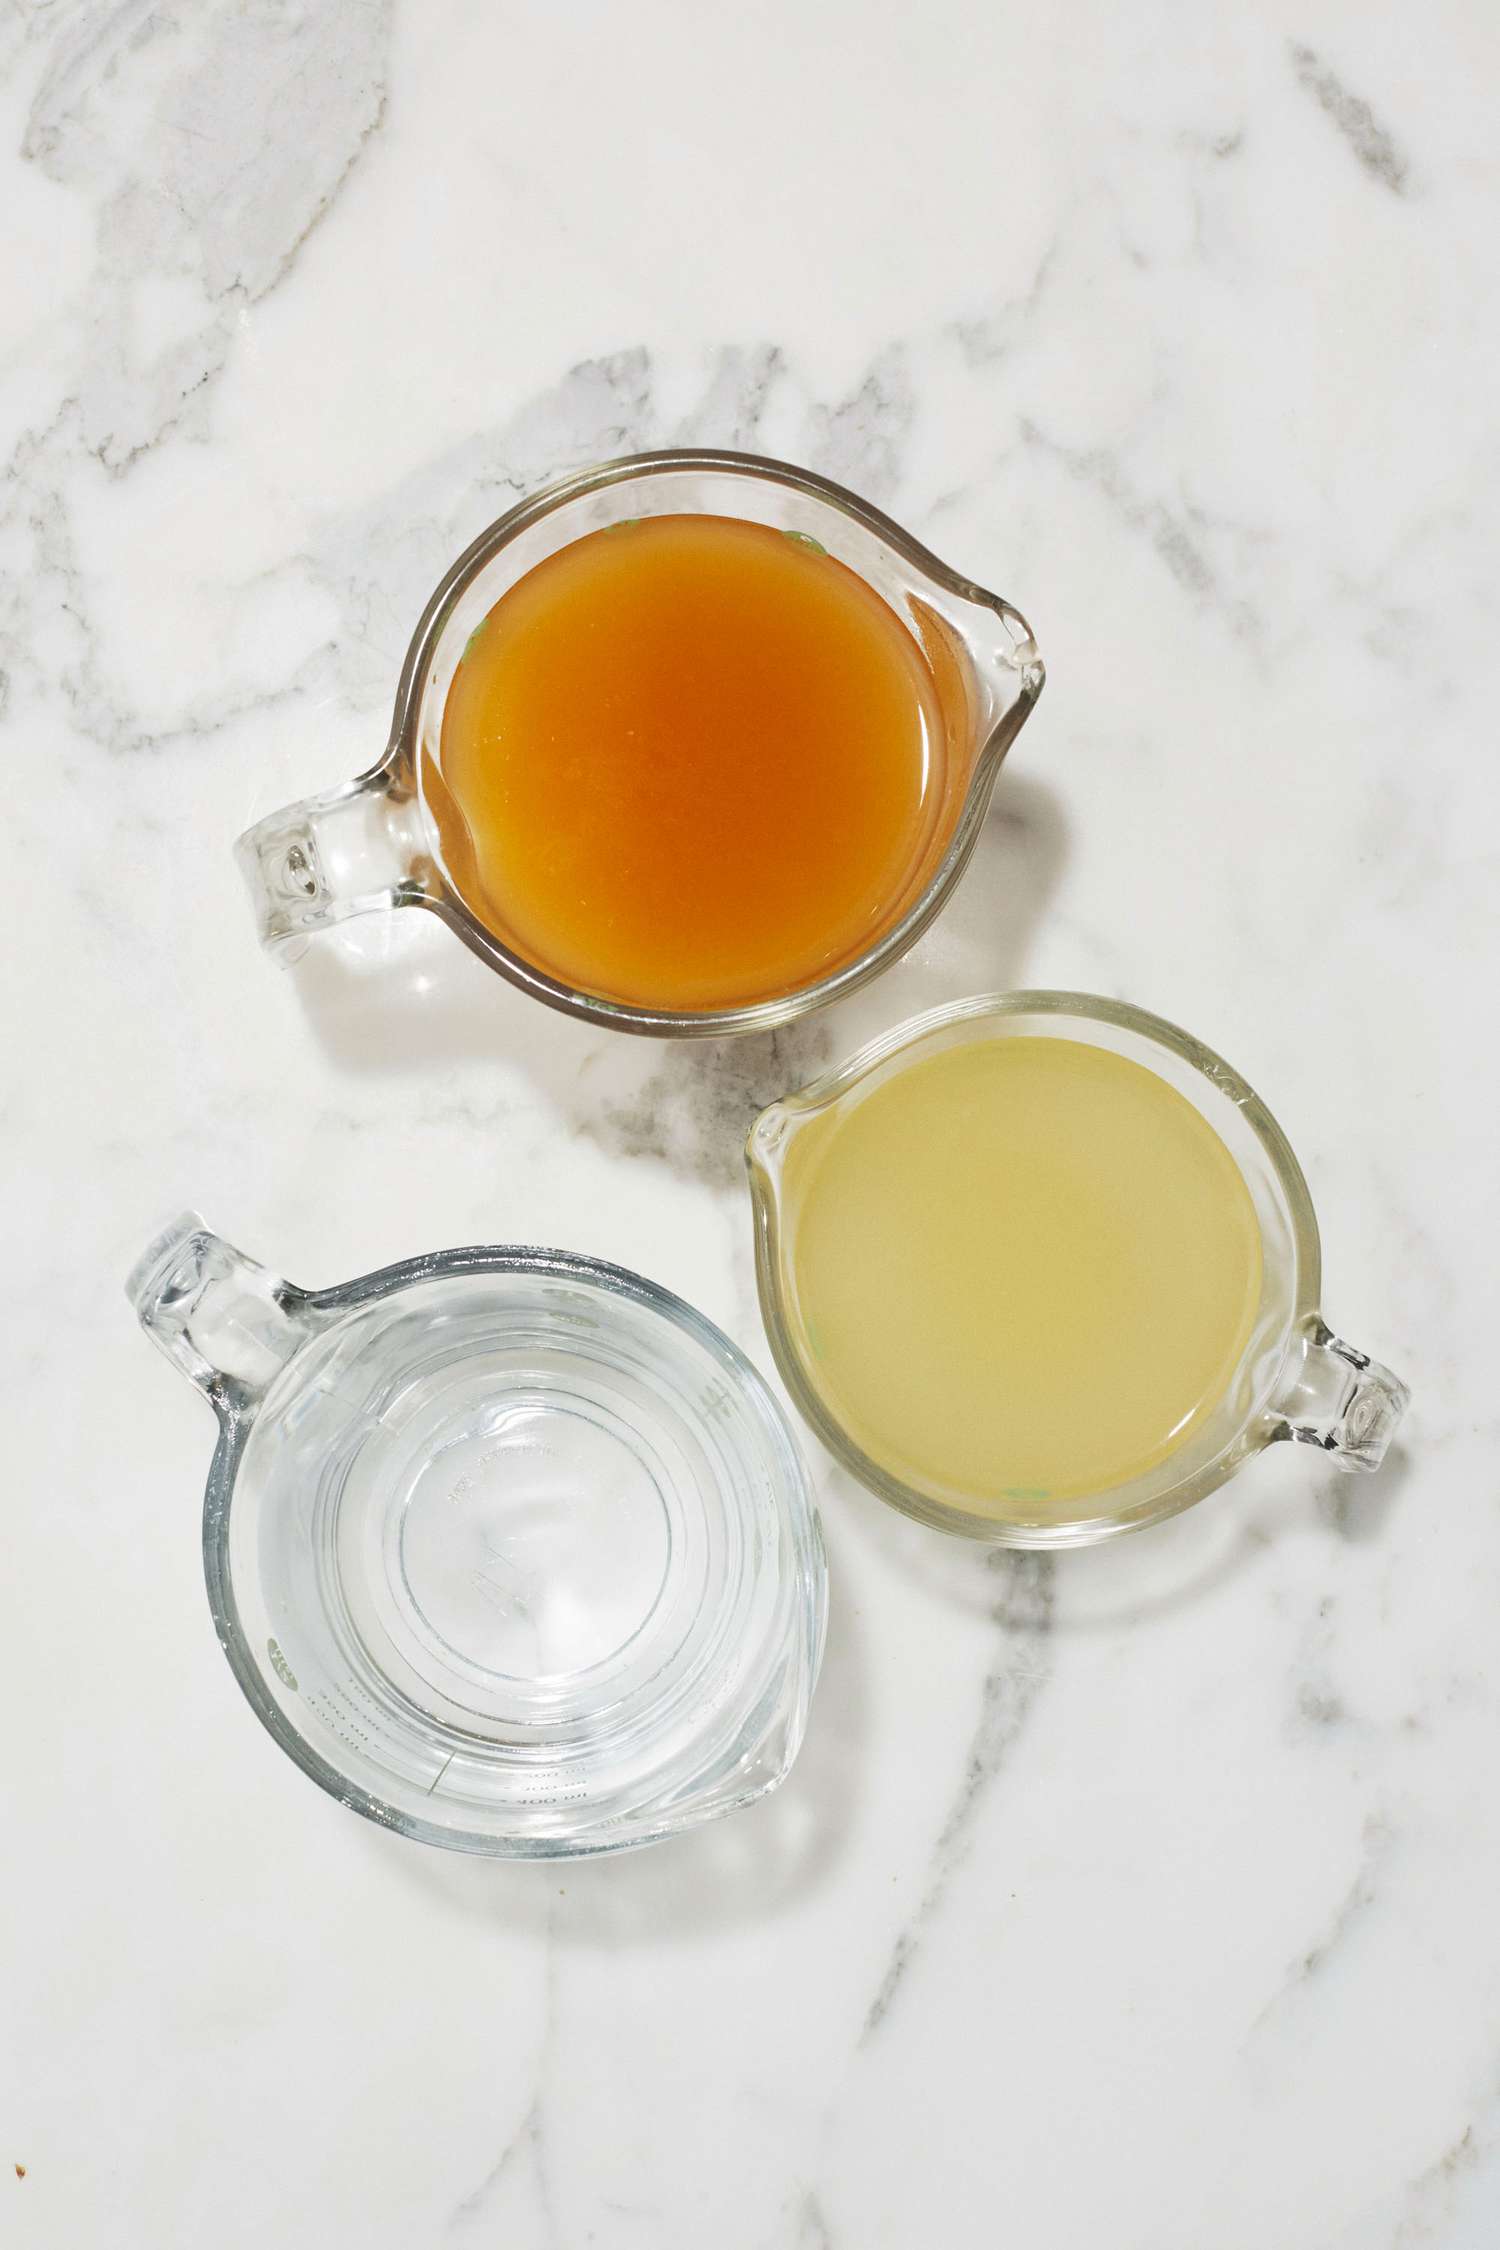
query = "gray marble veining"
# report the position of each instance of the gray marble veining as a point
(1143, 1896)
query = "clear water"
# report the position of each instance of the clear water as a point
(528, 1554)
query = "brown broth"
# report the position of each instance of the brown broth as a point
(690, 763)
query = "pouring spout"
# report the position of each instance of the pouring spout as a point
(1008, 661)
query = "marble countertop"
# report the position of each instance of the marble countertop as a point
(1142, 1897)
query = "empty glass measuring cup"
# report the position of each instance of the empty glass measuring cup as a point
(509, 1550)
(406, 834)
(1040, 1268)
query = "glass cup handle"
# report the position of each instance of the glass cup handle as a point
(353, 850)
(225, 1321)
(1339, 1399)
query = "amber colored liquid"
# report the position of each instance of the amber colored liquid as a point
(690, 763)
(1023, 1270)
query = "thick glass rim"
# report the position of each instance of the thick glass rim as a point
(398, 766)
(1079, 1007)
(235, 1423)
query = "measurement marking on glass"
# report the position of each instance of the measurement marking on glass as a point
(280, 1666)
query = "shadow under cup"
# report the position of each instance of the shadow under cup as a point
(1294, 1378)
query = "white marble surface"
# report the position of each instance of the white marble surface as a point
(1146, 1897)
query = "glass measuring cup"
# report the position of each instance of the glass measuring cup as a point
(1294, 1379)
(375, 842)
(511, 1551)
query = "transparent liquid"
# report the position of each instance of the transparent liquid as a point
(1023, 1270)
(530, 1557)
(690, 763)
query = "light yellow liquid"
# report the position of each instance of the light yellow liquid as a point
(1022, 1270)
